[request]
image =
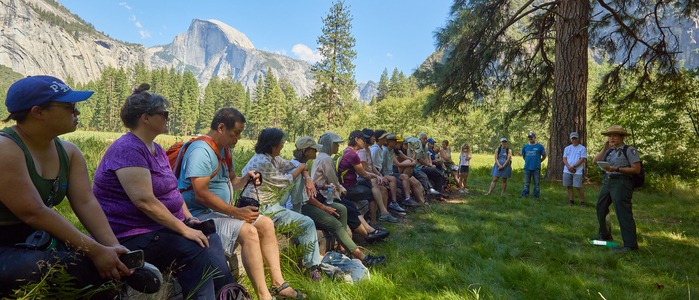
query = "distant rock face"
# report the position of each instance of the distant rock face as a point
(366, 91)
(33, 45)
(212, 48)
(34, 41)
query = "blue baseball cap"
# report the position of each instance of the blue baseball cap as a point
(431, 141)
(36, 90)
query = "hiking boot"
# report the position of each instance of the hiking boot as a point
(410, 202)
(388, 218)
(601, 237)
(146, 279)
(394, 206)
(370, 260)
(624, 249)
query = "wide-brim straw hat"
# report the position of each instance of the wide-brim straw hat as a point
(616, 129)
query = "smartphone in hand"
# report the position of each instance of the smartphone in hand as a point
(206, 227)
(132, 259)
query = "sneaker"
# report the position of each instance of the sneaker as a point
(601, 237)
(146, 279)
(410, 202)
(582, 204)
(377, 235)
(394, 206)
(462, 191)
(388, 218)
(370, 260)
(434, 192)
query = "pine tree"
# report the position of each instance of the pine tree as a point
(382, 87)
(208, 108)
(334, 74)
(539, 51)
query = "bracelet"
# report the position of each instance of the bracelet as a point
(618, 170)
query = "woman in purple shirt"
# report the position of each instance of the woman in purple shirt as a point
(138, 193)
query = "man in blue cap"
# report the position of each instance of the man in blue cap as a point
(533, 154)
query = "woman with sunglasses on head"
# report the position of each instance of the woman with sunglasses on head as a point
(138, 192)
(39, 170)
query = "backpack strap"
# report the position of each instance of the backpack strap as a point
(227, 159)
(341, 176)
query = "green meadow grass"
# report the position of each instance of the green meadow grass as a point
(506, 247)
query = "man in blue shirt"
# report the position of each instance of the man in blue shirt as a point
(533, 154)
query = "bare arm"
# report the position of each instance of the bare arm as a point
(23, 200)
(138, 186)
(200, 185)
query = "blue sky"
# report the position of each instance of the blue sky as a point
(390, 34)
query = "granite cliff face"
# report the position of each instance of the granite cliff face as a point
(33, 40)
(212, 48)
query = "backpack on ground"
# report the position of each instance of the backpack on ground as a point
(176, 152)
(638, 179)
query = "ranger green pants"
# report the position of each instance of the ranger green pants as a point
(617, 191)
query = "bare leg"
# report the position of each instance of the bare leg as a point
(570, 194)
(365, 228)
(504, 186)
(417, 189)
(372, 210)
(464, 181)
(392, 185)
(252, 259)
(492, 185)
(379, 197)
(456, 178)
(581, 194)
(270, 251)
(406, 185)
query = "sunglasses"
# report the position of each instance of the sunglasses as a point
(70, 106)
(164, 113)
(54, 191)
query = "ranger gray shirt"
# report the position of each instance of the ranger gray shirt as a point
(616, 158)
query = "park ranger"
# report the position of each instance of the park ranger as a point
(617, 187)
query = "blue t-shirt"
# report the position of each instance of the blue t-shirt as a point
(200, 161)
(532, 156)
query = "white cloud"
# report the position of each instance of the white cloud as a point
(145, 34)
(303, 52)
(389, 55)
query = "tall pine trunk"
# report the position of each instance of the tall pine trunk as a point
(569, 102)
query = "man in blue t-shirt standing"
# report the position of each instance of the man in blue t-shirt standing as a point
(533, 154)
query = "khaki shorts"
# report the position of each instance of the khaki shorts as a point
(574, 180)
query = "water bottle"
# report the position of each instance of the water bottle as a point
(329, 197)
(610, 244)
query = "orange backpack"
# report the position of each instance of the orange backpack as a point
(176, 152)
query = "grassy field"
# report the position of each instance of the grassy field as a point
(506, 247)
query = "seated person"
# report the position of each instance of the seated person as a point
(350, 169)
(138, 192)
(324, 173)
(328, 214)
(210, 198)
(39, 170)
(373, 163)
(425, 165)
(277, 175)
(411, 186)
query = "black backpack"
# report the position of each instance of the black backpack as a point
(638, 179)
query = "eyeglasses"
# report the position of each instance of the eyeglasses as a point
(164, 113)
(53, 192)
